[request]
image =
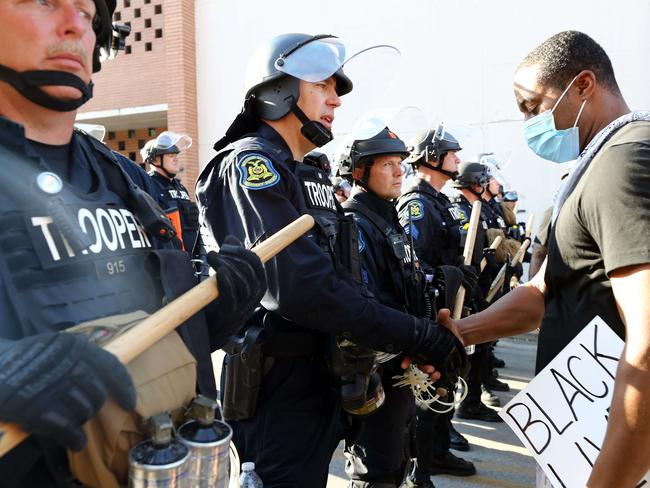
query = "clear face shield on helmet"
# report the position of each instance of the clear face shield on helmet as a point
(493, 164)
(404, 122)
(167, 142)
(167, 139)
(319, 58)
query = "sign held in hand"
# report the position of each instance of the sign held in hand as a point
(561, 416)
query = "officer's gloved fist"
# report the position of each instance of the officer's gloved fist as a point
(470, 276)
(52, 383)
(491, 260)
(515, 272)
(436, 345)
(241, 280)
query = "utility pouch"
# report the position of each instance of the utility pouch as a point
(164, 377)
(244, 371)
(348, 247)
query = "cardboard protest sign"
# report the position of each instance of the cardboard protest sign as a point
(561, 416)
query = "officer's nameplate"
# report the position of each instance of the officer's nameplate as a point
(109, 230)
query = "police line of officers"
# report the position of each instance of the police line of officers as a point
(86, 248)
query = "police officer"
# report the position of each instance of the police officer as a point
(434, 225)
(498, 225)
(376, 457)
(471, 182)
(161, 154)
(315, 293)
(81, 241)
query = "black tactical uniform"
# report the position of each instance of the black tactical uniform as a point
(435, 226)
(379, 453)
(171, 193)
(276, 377)
(312, 295)
(480, 364)
(48, 284)
(434, 223)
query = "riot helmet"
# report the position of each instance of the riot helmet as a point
(167, 142)
(471, 173)
(109, 38)
(273, 83)
(430, 148)
(276, 68)
(361, 152)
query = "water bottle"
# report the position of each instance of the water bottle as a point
(248, 477)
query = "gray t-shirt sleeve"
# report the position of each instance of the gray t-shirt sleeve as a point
(616, 210)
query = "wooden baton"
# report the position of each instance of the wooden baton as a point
(468, 251)
(517, 258)
(142, 336)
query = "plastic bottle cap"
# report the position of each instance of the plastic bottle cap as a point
(249, 466)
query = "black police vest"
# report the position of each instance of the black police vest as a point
(453, 234)
(175, 195)
(337, 233)
(52, 284)
(406, 289)
(493, 215)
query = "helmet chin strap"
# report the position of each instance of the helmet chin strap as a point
(314, 131)
(169, 175)
(478, 194)
(452, 174)
(29, 84)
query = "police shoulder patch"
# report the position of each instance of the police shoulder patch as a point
(415, 208)
(257, 172)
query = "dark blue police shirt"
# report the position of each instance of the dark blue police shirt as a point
(434, 224)
(251, 193)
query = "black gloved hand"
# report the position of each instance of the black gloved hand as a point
(515, 271)
(436, 345)
(470, 276)
(242, 283)
(492, 267)
(52, 383)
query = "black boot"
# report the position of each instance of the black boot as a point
(453, 465)
(456, 440)
(478, 412)
(491, 383)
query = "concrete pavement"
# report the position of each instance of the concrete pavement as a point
(500, 459)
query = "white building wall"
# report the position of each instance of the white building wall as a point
(458, 57)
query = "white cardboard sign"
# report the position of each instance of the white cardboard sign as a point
(561, 416)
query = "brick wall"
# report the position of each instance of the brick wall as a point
(181, 80)
(158, 66)
(129, 142)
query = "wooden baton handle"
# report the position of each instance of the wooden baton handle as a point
(517, 258)
(142, 336)
(468, 251)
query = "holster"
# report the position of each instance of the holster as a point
(243, 374)
(243, 381)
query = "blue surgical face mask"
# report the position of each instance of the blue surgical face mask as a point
(550, 143)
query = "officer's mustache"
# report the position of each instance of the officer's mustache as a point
(69, 47)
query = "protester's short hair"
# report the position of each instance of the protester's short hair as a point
(564, 55)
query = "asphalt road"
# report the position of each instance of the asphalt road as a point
(500, 459)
